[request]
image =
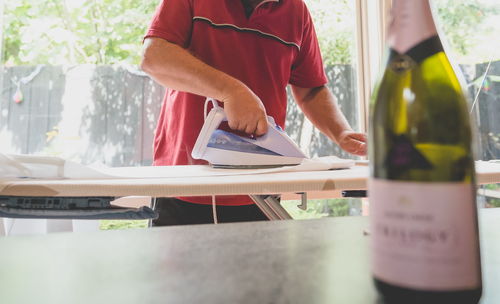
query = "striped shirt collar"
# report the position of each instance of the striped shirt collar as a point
(266, 1)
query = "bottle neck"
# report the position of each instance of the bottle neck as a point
(411, 24)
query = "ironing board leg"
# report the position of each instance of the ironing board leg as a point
(271, 207)
(152, 205)
(2, 227)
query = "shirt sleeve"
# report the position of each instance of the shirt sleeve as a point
(172, 21)
(307, 68)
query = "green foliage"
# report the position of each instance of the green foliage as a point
(122, 224)
(110, 31)
(318, 208)
(298, 214)
(492, 202)
(492, 186)
(466, 25)
(75, 31)
(334, 23)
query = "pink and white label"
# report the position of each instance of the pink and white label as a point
(423, 235)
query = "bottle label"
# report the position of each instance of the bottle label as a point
(423, 235)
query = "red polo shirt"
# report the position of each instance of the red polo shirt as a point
(274, 46)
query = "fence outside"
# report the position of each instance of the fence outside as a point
(107, 114)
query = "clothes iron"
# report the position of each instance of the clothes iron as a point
(226, 148)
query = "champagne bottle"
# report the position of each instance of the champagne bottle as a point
(423, 215)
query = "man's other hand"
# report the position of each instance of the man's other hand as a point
(353, 142)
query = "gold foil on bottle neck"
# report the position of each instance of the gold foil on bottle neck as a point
(402, 63)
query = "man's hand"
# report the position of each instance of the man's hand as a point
(245, 112)
(352, 142)
(319, 105)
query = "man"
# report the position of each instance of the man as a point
(242, 53)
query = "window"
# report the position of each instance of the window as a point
(349, 33)
(472, 29)
(336, 29)
(71, 86)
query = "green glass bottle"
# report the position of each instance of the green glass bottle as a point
(423, 214)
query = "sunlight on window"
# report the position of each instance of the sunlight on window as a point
(472, 28)
(72, 88)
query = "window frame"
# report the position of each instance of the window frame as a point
(371, 22)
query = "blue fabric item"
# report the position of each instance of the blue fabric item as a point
(110, 213)
(224, 140)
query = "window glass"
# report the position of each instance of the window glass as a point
(71, 87)
(335, 23)
(471, 29)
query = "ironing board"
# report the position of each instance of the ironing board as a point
(197, 181)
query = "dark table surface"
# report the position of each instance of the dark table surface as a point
(308, 261)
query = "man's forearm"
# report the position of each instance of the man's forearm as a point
(174, 67)
(320, 107)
